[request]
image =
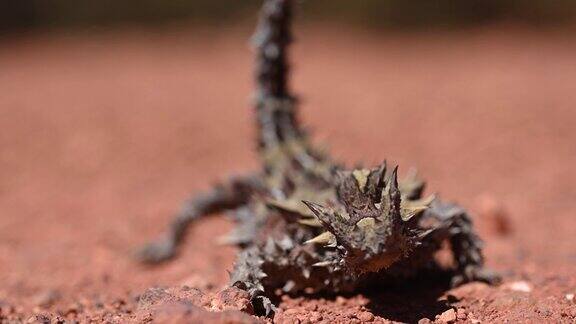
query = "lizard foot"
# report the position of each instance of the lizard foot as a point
(156, 252)
(474, 273)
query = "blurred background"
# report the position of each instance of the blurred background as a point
(113, 112)
(382, 13)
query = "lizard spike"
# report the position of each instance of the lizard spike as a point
(394, 190)
(425, 233)
(318, 210)
(426, 201)
(314, 222)
(412, 186)
(408, 212)
(288, 286)
(393, 181)
(324, 239)
(378, 179)
(382, 178)
(261, 275)
(411, 208)
(394, 197)
(322, 264)
(287, 210)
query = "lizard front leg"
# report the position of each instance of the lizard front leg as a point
(289, 266)
(456, 226)
(248, 274)
(230, 195)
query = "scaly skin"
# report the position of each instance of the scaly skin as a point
(307, 225)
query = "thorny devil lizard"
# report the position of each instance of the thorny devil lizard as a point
(305, 224)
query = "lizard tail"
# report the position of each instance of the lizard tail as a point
(275, 105)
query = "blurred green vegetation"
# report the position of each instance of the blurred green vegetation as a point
(386, 13)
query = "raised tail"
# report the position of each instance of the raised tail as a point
(275, 105)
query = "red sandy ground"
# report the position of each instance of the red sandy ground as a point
(103, 135)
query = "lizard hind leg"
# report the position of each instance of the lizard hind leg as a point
(466, 245)
(232, 194)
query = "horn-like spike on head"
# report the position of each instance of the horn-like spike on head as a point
(381, 180)
(393, 182)
(321, 212)
(334, 222)
(317, 209)
(394, 196)
(376, 183)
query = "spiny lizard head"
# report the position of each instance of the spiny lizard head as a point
(373, 223)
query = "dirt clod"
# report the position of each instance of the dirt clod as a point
(315, 317)
(39, 319)
(448, 316)
(461, 314)
(365, 316)
(232, 298)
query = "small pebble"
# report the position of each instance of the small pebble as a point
(283, 320)
(424, 321)
(363, 301)
(291, 311)
(315, 317)
(448, 316)
(569, 297)
(461, 314)
(365, 317)
(311, 307)
(473, 320)
(521, 286)
(340, 300)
